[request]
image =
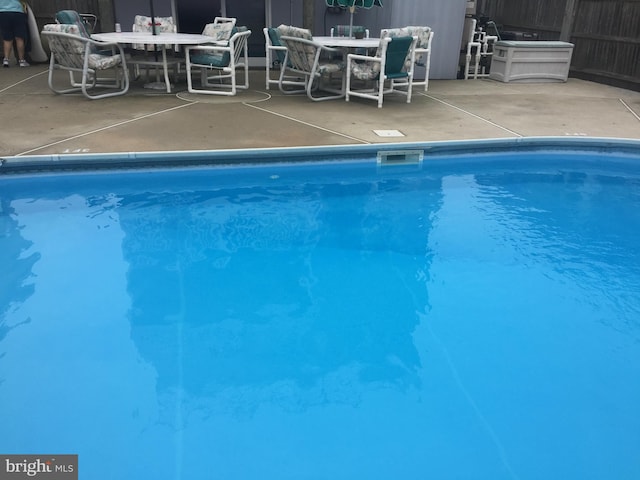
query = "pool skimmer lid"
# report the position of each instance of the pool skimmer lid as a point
(388, 133)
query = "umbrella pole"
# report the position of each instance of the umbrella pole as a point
(153, 18)
(153, 29)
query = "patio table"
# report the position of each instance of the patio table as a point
(347, 42)
(161, 40)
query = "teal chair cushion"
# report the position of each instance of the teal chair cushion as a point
(71, 17)
(219, 60)
(396, 56)
(274, 36)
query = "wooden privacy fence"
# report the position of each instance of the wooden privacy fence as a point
(606, 33)
(44, 10)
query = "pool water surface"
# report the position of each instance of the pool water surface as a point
(462, 319)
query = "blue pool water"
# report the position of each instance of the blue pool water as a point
(472, 318)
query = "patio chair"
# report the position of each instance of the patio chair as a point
(275, 54)
(86, 27)
(422, 51)
(218, 65)
(389, 64)
(147, 55)
(72, 52)
(86, 22)
(304, 59)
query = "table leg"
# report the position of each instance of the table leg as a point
(165, 68)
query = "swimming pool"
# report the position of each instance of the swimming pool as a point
(475, 314)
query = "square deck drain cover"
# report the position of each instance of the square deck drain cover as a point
(389, 133)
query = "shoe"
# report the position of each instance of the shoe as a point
(23, 63)
(5, 63)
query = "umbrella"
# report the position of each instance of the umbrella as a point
(352, 4)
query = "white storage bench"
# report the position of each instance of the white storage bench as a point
(537, 61)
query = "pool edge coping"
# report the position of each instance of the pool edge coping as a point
(226, 157)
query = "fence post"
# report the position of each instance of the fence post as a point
(570, 10)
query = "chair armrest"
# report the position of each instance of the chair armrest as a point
(208, 47)
(311, 43)
(366, 58)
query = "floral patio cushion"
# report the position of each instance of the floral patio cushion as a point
(399, 32)
(396, 60)
(69, 28)
(70, 52)
(220, 31)
(424, 35)
(367, 70)
(330, 67)
(297, 32)
(302, 55)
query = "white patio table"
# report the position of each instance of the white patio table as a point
(161, 39)
(346, 42)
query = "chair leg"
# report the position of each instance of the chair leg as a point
(87, 86)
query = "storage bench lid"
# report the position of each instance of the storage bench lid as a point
(533, 44)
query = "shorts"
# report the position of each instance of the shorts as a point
(13, 24)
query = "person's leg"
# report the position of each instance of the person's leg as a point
(20, 32)
(7, 46)
(20, 47)
(7, 34)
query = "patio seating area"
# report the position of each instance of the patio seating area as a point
(37, 121)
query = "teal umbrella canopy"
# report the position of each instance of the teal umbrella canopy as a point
(352, 4)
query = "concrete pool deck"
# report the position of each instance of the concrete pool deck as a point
(37, 122)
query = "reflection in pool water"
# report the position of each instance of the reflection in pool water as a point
(463, 320)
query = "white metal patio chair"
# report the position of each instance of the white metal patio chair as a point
(393, 63)
(304, 59)
(422, 51)
(218, 65)
(73, 53)
(275, 54)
